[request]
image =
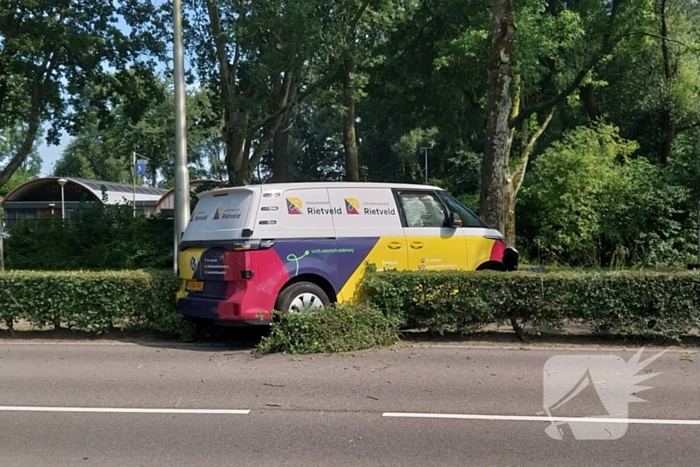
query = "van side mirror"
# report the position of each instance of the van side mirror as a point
(455, 220)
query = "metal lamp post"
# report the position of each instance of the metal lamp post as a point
(425, 152)
(182, 181)
(62, 182)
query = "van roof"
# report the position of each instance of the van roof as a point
(267, 187)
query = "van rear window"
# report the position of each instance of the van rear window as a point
(219, 217)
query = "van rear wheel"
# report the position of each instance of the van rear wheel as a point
(300, 296)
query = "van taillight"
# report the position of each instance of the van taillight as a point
(248, 245)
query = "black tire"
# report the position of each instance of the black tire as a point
(491, 266)
(291, 294)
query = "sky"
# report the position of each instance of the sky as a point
(50, 154)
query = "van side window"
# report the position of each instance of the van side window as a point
(423, 210)
(469, 219)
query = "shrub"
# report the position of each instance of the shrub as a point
(95, 237)
(341, 328)
(590, 203)
(627, 303)
(93, 301)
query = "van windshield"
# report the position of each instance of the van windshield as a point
(469, 219)
(219, 217)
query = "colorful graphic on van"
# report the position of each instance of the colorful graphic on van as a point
(218, 212)
(318, 251)
(334, 260)
(244, 285)
(294, 206)
(352, 206)
(296, 259)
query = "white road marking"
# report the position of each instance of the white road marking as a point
(519, 418)
(123, 410)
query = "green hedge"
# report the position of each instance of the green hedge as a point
(625, 303)
(342, 328)
(93, 301)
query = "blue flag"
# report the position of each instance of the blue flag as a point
(140, 168)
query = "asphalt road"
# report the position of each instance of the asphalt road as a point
(124, 404)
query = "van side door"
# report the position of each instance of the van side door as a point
(432, 243)
(368, 229)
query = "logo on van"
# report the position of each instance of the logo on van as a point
(218, 212)
(352, 206)
(198, 217)
(294, 205)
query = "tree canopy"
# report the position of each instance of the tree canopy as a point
(567, 116)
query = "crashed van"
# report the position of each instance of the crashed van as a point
(253, 249)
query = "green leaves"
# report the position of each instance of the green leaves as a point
(340, 328)
(51, 50)
(141, 119)
(590, 204)
(97, 237)
(93, 301)
(626, 303)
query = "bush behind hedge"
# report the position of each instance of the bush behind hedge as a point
(93, 301)
(626, 303)
(95, 237)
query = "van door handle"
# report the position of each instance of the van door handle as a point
(395, 245)
(417, 245)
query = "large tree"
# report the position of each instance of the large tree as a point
(103, 147)
(555, 53)
(499, 108)
(264, 59)
(50, 50)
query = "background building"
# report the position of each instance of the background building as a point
(42, 196)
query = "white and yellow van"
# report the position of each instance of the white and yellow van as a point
(257, 248)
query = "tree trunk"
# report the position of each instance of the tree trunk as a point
(514, 179)
(245, 170)
(587, 94)
(235, 139)
(509, 204)
(2, 230)
(280, 142)
(23, 151)
(280, 152)
(499, 109)
(668, 123)
(3, 78)
(352, 166)
(669, 127)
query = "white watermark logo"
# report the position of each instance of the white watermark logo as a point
(615, 382)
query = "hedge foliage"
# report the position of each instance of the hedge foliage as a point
(625, 303)
(647, 304)
(341, 328)
(95, 237)
(93, 301)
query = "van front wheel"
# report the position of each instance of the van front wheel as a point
(300, 296)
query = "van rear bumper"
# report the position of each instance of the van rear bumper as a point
(242, 302)
(209, 310)
(199, 308)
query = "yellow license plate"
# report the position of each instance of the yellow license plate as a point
(194, 286)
